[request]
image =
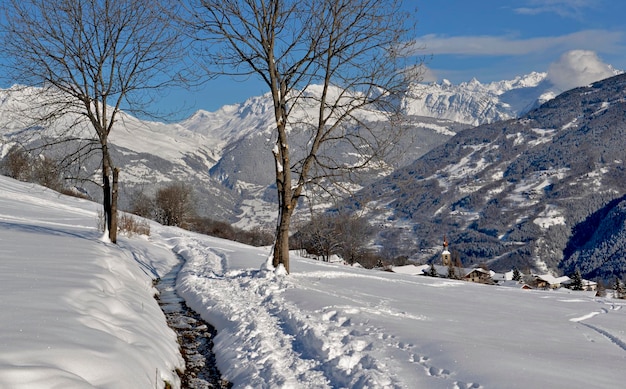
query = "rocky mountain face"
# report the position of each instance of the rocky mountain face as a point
(542, 192)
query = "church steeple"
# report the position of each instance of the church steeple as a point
(446, 258)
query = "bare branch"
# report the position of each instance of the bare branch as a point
(90, 59)
(336, 76)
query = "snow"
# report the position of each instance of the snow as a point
(546, 136)
(77, 312)
(475, 103)
(551, 216)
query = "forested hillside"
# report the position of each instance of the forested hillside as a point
(540, 192)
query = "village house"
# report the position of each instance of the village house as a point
(478, 275)
(548, 281)
(590, 286)
(502, 277)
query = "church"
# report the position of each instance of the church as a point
(446, 257)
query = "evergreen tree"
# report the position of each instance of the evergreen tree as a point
(618, 289)
(517, 276)
(577, 281)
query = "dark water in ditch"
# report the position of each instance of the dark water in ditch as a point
(195, 337)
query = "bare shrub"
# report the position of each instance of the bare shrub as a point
(131, 225)
(341, 234)
(255, 237)
(17, 164)
(126, 224)
(47, 172)
(370, 260)
(258, 237)
(208, 226)
(42, 170)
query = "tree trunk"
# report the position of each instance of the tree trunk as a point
(106, 194)
(286, 203)
(113, 229)
(281, 247)
(109, 194)
(286, 199)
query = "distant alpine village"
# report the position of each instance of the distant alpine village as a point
(453, 269)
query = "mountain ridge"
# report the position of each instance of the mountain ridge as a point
(225, 155)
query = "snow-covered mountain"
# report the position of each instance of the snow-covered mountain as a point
(226, 154)
(476, 103)
(231, 122)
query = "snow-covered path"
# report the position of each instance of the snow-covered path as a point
(331, 326)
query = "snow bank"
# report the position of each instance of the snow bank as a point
(77, 312)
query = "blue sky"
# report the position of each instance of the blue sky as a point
(498, 39)
(490, 40)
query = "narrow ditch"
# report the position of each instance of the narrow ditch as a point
(195, 337)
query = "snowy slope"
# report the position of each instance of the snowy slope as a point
(330, 326)
(77, 312)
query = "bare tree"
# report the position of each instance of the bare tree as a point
(319, 236)
(355, 233)
(174, 205)
(346, 235)
(91, 59)
(44, 170)
(327, 64)
(141, 204)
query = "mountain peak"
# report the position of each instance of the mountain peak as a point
(476, 103)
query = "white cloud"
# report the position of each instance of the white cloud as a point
(428, 75)
(486, 45)
(564, 8)
(578, 68)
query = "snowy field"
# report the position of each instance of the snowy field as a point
(77, 312)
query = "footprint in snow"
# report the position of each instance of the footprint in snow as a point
(466, 385)
(430, 370)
